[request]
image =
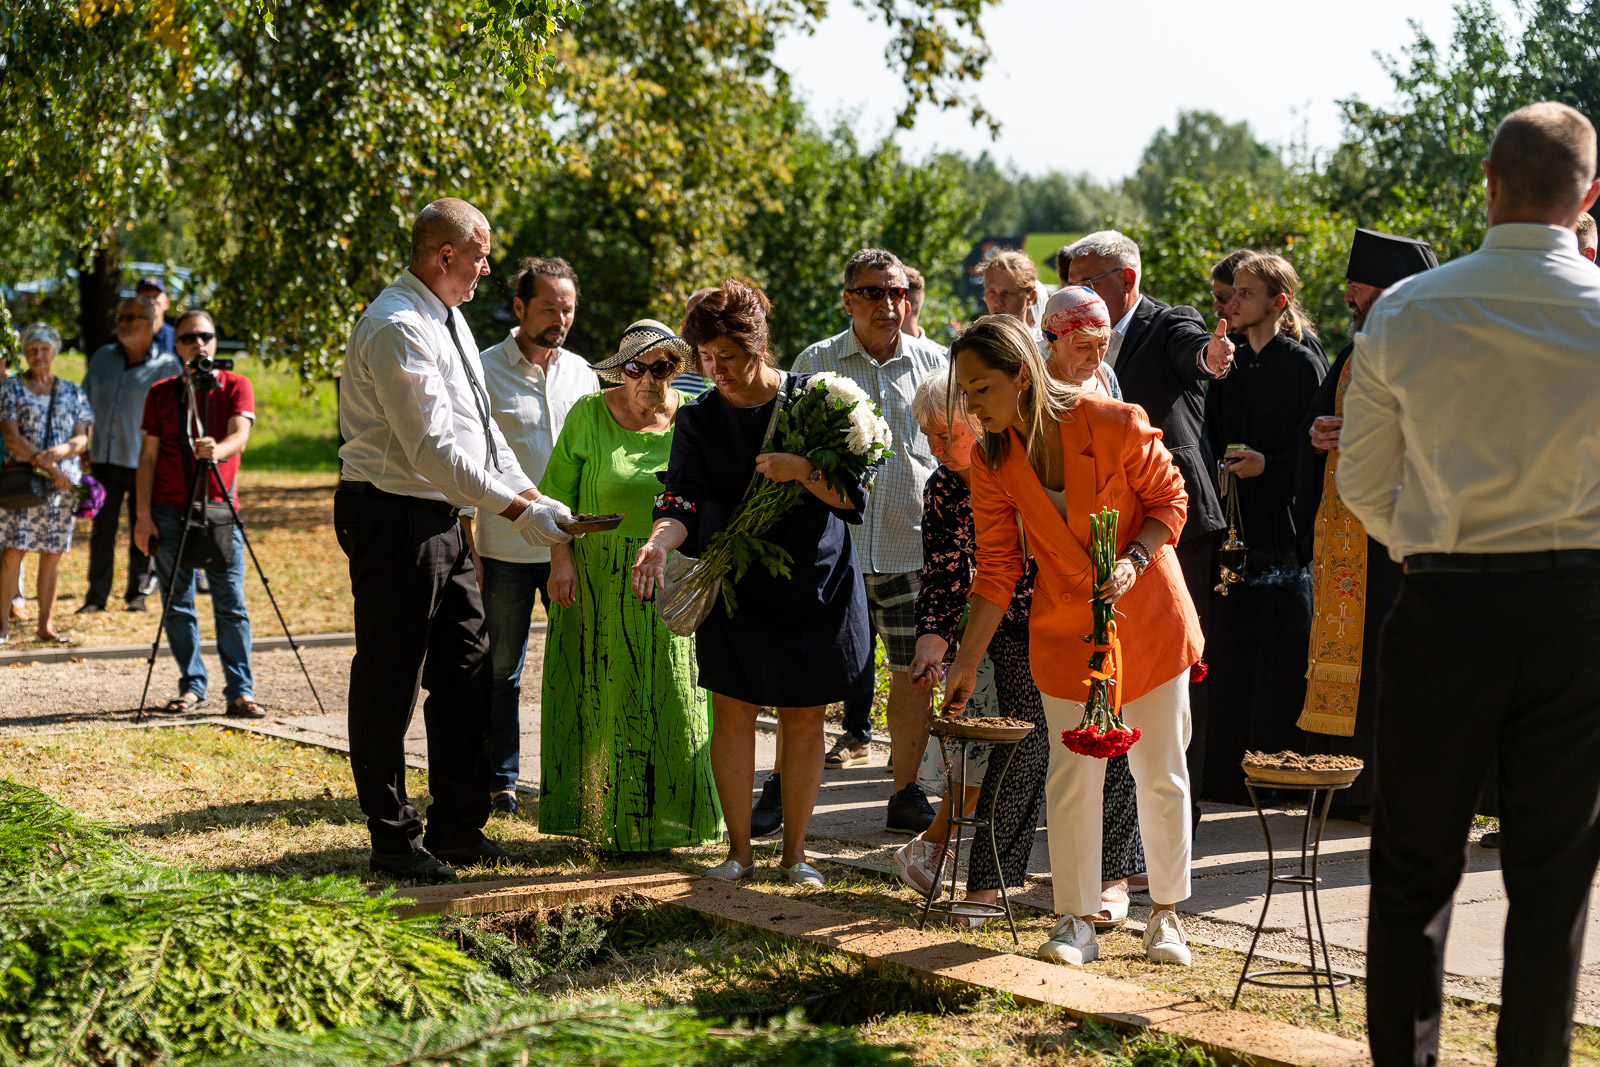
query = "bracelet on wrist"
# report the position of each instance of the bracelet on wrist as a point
(1138, 555)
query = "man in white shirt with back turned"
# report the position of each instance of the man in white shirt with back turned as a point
(1470, 449)
(532, 382)
(420, 448)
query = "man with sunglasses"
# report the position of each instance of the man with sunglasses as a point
(176, 434)
(889, 365)
(118, 377)
(532, 383)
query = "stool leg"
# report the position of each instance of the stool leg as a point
(994, 849)
(1266, 905)
(1316, 855)
(944, 848)
(1308, 892)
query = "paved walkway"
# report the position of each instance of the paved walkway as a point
(1229, 860)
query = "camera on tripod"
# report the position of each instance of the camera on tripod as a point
(209, 365)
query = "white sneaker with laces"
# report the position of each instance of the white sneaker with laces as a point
(914, 864)
(1165, 940)
(1072, 941)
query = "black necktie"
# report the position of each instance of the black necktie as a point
(480, 398)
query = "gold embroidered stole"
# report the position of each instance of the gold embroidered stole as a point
(1338, 604)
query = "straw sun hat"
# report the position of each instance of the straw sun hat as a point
(644, 336)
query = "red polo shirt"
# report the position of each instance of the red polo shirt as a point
(232, 396)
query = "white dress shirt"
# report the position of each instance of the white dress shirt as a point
(1470, 423)
(529, 405)
(889, 539)
(1118, 332)
(407, 410)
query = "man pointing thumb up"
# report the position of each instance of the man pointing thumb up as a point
(1219, 350)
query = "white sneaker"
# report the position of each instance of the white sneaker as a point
(731, 870)
(803, 873)
(1072, 941)
(1165, 940)
(914, 864)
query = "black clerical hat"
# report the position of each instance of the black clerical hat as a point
(1381, 259)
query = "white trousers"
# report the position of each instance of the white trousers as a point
(1074, 787)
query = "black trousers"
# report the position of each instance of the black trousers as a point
(1473, 666)
(419, 623)
(120, 483)
(1197, 559)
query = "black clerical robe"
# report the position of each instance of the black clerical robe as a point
(1258, 635)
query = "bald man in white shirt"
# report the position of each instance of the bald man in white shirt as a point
(1470, 449)
(420, 448)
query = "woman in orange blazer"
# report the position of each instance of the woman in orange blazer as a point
(1050, 457)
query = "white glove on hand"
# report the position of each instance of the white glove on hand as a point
(537, 523)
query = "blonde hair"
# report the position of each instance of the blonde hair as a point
(932, 390)
(1016, 262)
(1004, 344)
(1279, 276)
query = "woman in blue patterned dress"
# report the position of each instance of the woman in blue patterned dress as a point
(25, 407)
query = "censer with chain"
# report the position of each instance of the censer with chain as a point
(1233, 553)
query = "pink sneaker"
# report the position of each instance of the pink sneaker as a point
(914, 864)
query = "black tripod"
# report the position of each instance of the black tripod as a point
(198, 386)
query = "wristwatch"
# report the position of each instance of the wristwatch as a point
(1138, 555)
(815, 475)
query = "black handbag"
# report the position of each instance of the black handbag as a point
(20, 488)
(210, 522)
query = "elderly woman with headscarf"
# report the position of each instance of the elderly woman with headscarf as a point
(625, 746)
(44, 422)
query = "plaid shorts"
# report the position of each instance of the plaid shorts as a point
(892, 603)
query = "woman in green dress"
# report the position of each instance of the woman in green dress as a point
(625, 742)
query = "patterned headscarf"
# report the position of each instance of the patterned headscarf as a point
(41, 331)
(1073, 308)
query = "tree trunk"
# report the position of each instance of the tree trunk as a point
(99, 289)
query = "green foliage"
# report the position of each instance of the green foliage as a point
(543, 943)
(1199, 223)
(1054, 202)
(1203, 147)
(108, 957)
(595, 1034)
(823, 987)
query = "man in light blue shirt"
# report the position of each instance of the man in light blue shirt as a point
(889, 365)
(116, 380)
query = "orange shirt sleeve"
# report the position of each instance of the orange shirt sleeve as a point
(1000, 560)
(1152, 475)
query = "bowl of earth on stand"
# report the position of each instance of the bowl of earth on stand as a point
(587, 524)
(975, 729)
(1292, 768)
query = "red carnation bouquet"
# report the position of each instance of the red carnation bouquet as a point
(1102, 733)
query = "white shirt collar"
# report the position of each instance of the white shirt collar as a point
(429, 298)
(1122, 324)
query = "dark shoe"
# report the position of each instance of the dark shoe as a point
(1490, 840)
(909, 811)
(418, 865)
(848, 751)
(484, 852)
(766, 818)
(504, 802)
(245, 708)
(90, 608)
(136, 603)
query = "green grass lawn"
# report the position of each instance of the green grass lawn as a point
(295, 430)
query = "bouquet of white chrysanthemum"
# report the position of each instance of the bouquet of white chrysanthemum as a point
(833, 424)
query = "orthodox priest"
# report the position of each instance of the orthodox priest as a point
(1354, 582)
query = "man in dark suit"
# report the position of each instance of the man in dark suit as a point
(1163, 355)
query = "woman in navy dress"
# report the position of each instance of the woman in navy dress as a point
(795, 644)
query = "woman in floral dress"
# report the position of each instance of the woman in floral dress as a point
(51, 439)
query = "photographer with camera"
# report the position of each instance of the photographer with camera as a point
(204, 414)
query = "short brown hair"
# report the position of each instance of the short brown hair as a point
(736, 310)
(914, 280)
(1544, 157)
(532, 268)
(869, 259)
(193, 313)
(1223, 271)
(1017, 262)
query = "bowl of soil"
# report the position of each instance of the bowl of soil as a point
(587, 524)
(1291, 768)
(974, 729)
